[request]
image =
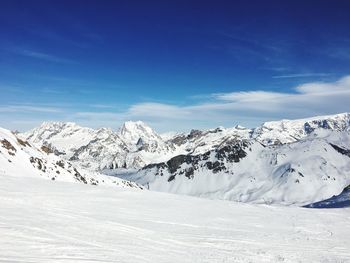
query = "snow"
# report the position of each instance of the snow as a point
(286, 131)
(169, 135)
(19, 158)
(45, 221)
(132, 131)
(210, 139)
(299, 173)
(71, 136)
(102, 148)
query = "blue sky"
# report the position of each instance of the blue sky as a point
(174, 64)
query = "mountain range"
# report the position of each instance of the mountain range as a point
(20, 158)
(285, 162)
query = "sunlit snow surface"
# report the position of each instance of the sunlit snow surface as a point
(45, 221)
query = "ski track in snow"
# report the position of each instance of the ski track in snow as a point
(44, 221)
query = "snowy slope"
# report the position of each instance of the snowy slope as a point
(41, 221)
(20, 158)
(309, 170)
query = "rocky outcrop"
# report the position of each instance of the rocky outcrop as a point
(214, 160)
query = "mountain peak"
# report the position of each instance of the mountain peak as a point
(132, 131)
(133, 125)
(240, 127)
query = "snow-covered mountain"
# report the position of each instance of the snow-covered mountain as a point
(18, 157)
(287, 131)
(134, 145)
(289, 161)
(310, 170)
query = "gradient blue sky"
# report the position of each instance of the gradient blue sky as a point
(174, 64)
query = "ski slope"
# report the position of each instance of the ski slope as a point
(53, 221)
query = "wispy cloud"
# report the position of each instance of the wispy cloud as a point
(338, 49)
(251, 41)
(42, 56)
(54, 36)
(342, 53)
(26, 116)
(102, 106)
(245, 47)
(301, 75)
(247, 53)
(76, 35)
(277, 69)
(28, 108)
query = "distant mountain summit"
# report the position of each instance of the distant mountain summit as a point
(132, 131)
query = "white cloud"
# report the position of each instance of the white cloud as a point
(248, 108)
(159, 110)
(300, 75)
(340, 86)
(27, 108)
